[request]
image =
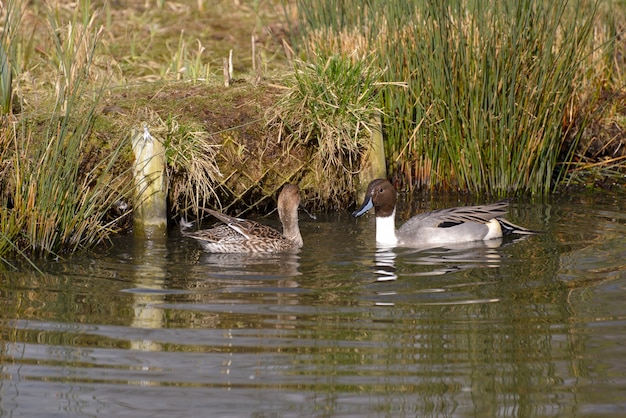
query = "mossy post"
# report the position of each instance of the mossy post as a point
(373, 163)
(150, 213)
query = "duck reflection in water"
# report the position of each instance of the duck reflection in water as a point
(442, 259)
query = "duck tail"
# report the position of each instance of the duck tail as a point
(509, 228)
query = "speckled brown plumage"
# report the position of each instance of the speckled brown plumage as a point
(238, 235)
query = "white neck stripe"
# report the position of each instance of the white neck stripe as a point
(386, 229)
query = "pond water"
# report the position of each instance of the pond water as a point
(155, 328)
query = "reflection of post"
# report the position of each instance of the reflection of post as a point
(150, 256)
(150, 185)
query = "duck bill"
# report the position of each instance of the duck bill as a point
(311, 215)
(367, 205)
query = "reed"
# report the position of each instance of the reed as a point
(54, 200)
(12, 15)
(489, 85)
(6, 82)
(54, 207)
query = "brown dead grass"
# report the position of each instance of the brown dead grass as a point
(252, 164)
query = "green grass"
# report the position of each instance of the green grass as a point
(489, 85)
(8, 45)
(53, 203)
(6, 83)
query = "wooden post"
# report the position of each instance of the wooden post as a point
(226, 73)
(230, 65)
(150, 209)
(373, 163)
(254, 54)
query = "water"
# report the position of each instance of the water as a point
(158, 329)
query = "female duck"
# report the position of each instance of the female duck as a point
(445, 226)
(246, 236)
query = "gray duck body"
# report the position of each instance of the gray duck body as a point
(445, 226)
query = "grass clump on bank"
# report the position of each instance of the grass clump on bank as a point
(491, 87)
(330, 109)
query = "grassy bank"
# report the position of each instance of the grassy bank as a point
(497, 96)
(482, 100)
(77, 82)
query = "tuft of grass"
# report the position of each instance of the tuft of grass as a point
(187, 63)
(192, 171)
(330, 109)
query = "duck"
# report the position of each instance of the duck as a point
(445, 226)
(237, 235)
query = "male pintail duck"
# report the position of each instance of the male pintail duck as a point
(445, 226)
(246, 236)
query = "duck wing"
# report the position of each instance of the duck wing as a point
(447, 218)
(246, 228)
(479, 214)
(220, 233)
